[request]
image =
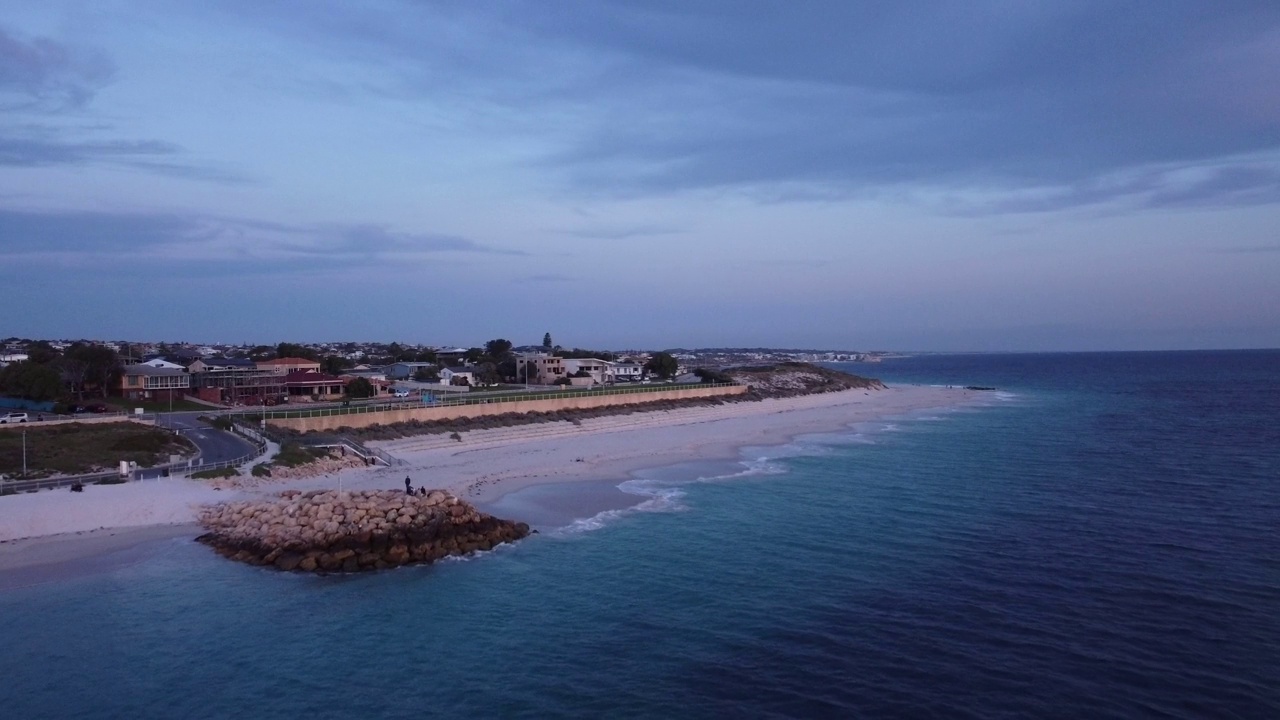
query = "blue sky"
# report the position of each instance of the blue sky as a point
(1012, 175)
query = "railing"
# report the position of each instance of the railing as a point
(360, 449)
(475, 400)
(178, 469)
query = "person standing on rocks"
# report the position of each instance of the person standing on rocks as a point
(408, 485)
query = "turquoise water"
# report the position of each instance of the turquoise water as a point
(1099, 540)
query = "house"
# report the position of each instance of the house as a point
(457, 376)
(143, 382)
(286, 365)
(162, 363)
(627, 371)
(538, 368)
(406, 370)
(600, 371)
(235, 381)
(315, 385)
(451, 356)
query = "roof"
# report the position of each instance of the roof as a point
(303, 376)
(152, 371)
(226, 362)
(458, 369)
(290, 361)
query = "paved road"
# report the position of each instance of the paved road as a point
(215, 445)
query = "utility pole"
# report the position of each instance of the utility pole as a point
(24, 452)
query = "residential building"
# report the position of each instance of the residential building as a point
(143, 382)
(449, 374)
(627, 371)
(287, 365)
(448, 357)
(314, 385)
(600, 371)
(235, 381)
(162, 363)
(406, 370)
(539, 369)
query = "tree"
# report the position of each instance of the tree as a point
(474, 354)
(101, 364)
(663, 365)
(497, 349)
(361, 388)
(31, 381)
(712, 376)
(41, 352)
(73, 371)
(507, 368)
(546, 341)
(487, 374)
(284, 350)
(426, 374)
(334, 364)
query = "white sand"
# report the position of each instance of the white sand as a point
(485, 464)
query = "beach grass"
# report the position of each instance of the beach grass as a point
(77, 448)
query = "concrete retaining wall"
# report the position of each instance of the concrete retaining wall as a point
(387, 417)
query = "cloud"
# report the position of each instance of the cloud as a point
(211, 244)
(621, 232)
(43, 74)
(544, 278)
(31, 152)
(835, 99)
(1238, 184)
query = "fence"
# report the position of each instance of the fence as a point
(360, 449)
(178, 469)
(472, 400)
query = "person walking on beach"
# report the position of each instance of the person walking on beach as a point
(408, 486)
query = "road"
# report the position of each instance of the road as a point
(215, 445)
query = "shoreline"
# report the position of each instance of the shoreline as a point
(52, 532)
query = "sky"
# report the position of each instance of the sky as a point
(1007, 175)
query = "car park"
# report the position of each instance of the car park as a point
(13, 417)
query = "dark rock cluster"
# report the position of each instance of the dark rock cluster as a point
(335, 531)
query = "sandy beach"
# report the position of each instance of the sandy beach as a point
(54, 526)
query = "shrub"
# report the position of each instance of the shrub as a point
(226, 472)
(261, 470)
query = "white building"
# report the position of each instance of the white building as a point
(600, 371)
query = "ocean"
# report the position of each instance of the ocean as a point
(1097, 539)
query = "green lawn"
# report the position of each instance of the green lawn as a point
(75, 448)
(154, 407)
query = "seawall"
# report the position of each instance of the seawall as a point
(387, 417)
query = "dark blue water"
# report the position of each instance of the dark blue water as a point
(1098, 540)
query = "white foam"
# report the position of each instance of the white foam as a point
(662, 497)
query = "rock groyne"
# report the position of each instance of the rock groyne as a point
(336, 531)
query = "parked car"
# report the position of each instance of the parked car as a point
(13, 417)
(96, 408)
(400, 393)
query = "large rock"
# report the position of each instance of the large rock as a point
(326, 531)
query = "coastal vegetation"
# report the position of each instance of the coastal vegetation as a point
(790, 379)
(79, 448)
(215, 473)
